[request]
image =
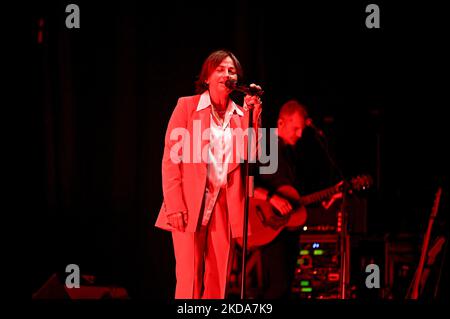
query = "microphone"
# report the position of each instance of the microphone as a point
(249, 90)
(310, 124)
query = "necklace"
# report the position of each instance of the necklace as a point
(219, 115)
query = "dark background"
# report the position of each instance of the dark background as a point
(105, 93)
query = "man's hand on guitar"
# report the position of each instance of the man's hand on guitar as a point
(280, 204)
(178, 220)
(327, 204)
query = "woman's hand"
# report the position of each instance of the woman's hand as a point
(254, 102)
(178, 220)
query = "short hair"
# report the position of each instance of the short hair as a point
(291, 107)
(210, 64)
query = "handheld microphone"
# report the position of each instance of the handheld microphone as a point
(250, 90)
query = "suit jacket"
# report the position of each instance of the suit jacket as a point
(184, 183)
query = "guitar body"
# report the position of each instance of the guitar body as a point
(266, 223)
(297, 217)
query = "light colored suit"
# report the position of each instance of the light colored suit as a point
(184, 183)
(184, 186)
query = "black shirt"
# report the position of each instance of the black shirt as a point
(285, 173)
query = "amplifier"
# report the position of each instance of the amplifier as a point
(317, 271)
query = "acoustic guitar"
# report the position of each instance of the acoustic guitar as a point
(266, 222)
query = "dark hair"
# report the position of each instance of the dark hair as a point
(291, 107)
(210, 64)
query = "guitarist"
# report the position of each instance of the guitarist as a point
(279, 256)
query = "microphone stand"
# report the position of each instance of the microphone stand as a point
(248, 184)
(344, 242)
(249, 179)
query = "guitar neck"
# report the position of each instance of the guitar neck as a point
(318, 196)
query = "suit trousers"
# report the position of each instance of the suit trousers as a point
(202, 257)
